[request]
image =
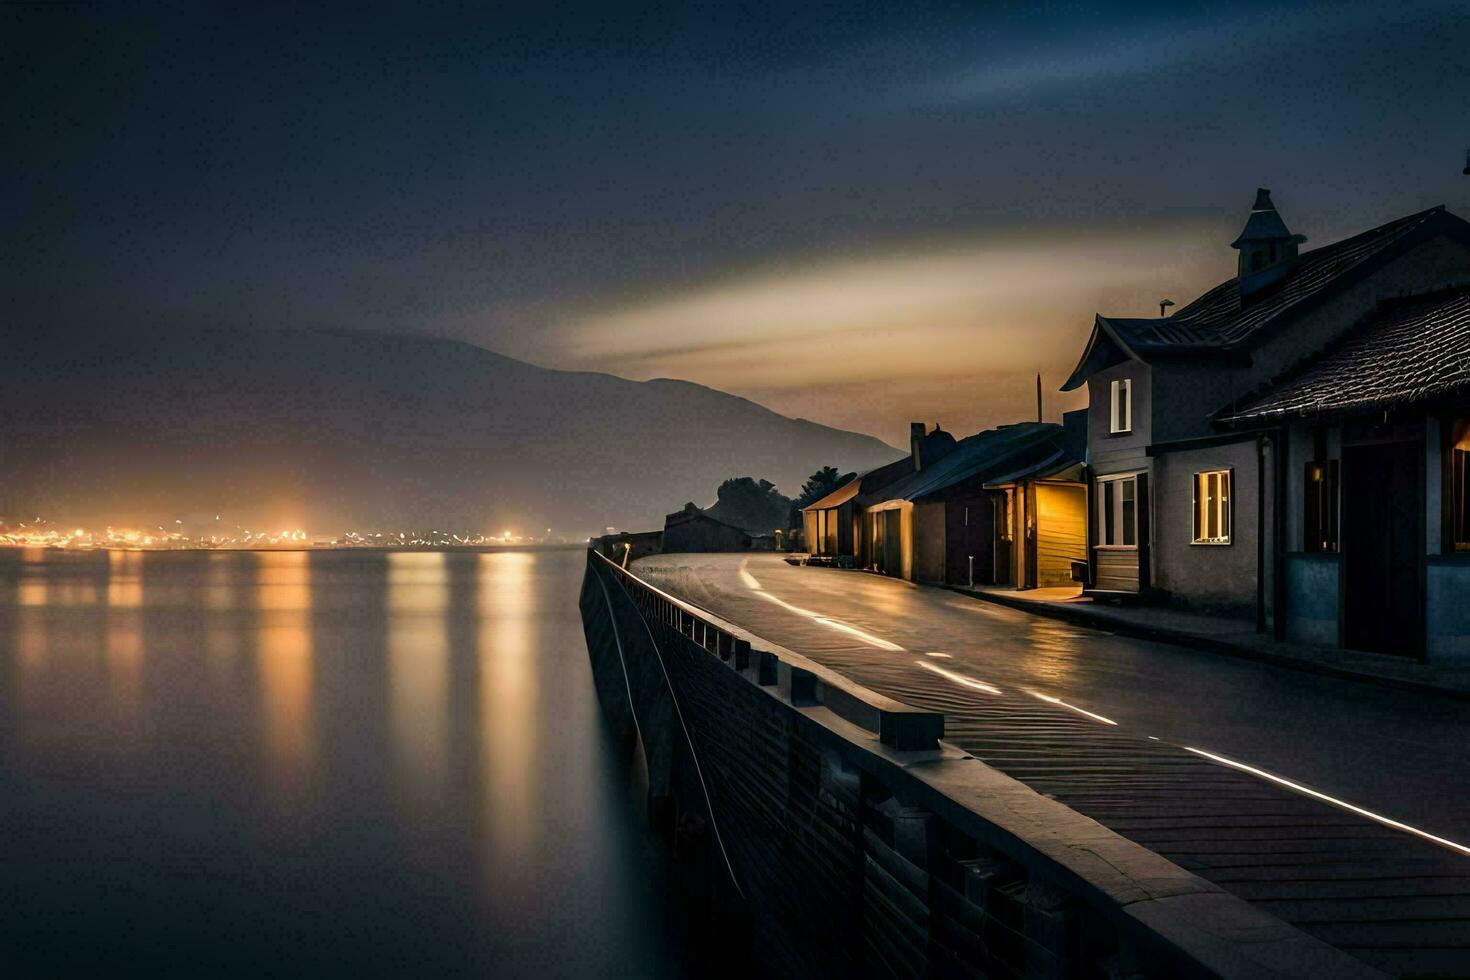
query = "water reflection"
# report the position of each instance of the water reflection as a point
(508, 705)
(418, 670)
(284, 659)
(247, 763)
(1052, 648)
(124, 579)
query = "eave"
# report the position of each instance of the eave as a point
(1099, 356)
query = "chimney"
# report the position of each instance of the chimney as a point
(1267, 248)
(916, 440)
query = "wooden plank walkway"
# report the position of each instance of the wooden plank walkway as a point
(1397, 901)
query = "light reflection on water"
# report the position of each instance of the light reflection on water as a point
(284, 658)
(508, 699)
(301, 762)
(418, 670)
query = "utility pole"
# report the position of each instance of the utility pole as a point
(1038, 396)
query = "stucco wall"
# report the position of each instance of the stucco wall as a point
(1312, 599)
(1217, 577)
(1109, 453)
(1447, 629)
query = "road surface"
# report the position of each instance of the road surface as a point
(1339, 805)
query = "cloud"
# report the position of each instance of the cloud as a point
(1129, 46)
(1003, 305)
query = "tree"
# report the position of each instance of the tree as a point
(752, 504)
(817, 486)
(821, 483)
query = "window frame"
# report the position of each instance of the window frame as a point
(1457, 487)
(1120, 394)
(1320, 500)
(1112, 519)
(1223, 507)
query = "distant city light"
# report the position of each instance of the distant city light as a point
(41, 533)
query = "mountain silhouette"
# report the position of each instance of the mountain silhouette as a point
(338, 430)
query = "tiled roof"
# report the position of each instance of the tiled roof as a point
(1410, 350)
(1218, 319)
(981, 455)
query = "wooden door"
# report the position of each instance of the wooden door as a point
(1382, 539)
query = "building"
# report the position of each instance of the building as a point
(1044, 506)
(940, 522)
(694, 530)
(1374, 433)
(1195, 498)
(831, 524)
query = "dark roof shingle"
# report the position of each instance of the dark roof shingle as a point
(1410, 350)
(981, 455)
(1219, 319)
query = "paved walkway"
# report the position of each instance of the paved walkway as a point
(1233, 637)
(1211, 761)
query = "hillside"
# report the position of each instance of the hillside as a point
(331, 429)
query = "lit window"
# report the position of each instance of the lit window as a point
(1212, 507)
(1319, 514)
(1122, 406)
(1117, 511)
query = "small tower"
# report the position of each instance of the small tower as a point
(1267, 248)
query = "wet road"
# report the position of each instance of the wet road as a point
(1402, 755)
(1337, 806)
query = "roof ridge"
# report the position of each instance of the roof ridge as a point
(1317, 252)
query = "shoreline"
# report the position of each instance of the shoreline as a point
(366, 549)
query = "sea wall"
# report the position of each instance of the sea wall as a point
(851, 840)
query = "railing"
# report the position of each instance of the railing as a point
(800, 680)
(862, 844)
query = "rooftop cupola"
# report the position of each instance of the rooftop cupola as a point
(1267, 247)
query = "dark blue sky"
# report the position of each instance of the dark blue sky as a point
(696, 191)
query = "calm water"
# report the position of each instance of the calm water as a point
(335, 762)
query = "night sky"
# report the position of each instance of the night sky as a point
(856, 216)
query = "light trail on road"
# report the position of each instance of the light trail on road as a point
(960, 679)
(1081, 711)
(754, 585)
(1316, 794)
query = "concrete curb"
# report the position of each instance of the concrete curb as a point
(1071, 613)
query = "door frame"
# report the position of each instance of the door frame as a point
(1412, 436)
